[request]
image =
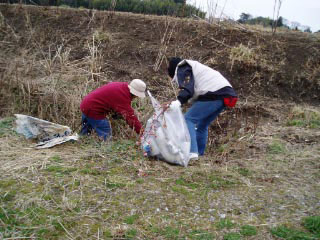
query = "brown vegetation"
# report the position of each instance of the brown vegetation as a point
(51, 57)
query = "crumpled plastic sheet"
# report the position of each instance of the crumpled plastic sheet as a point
(47, 133)
(56, 141)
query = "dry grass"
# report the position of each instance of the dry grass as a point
(90, 189)
(304, 117)
(243, 54)
(248, 56)
(49, 84)
(164, 42)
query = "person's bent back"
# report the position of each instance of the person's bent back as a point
(112, 97)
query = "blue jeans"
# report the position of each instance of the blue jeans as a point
(198, 119)
(102, 127)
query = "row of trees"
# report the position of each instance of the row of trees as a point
(246, 18)
(158, 7)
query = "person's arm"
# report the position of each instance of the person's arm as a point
(128, 113)
(186, 83)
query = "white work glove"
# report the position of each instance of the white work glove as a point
(175, 104)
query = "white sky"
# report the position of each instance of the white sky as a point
(306, 12)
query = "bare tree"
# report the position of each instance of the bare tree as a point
(295, 25)
(224, 6)
(213, 9)
(112, 8)
(276, 12)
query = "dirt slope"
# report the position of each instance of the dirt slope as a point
(286, 66)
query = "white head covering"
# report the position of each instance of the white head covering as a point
(138, 87)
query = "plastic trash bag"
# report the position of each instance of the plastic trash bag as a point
(166, 135)
(56, 141)
(47, 133)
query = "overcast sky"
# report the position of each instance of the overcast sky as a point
(306, 12)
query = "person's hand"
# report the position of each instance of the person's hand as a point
(175, 104)
(165, 106)
(141, 132)
(138, 142)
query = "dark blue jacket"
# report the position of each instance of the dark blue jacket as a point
(186, 86)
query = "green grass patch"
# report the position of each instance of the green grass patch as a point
(8, 196)
(37, 215)
(140, 180)
(167, 232)
(60, 170)
(181, 189)
(276, 147)
(6, 125)
(304, 117)
(56, 159)
(296, 122)
(8, 217)
(171, 233)
(131, 219)
(57, 225)
(312, 224)
(217, 182)
(244, 172)
(122, 146)
(225, 223)
(200, 235)
(7, 183)
(42, 232)
(314, 124)
(248, 230)
(131, 233)
(115, 185)
(29, 222)
(107, 234)
(89, 171)
(291, 234)
(222, 148)
(232, 236)
(181, 181)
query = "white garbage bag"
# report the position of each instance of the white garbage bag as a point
(47, 133)
(166, 135)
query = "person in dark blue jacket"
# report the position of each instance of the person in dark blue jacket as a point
(207, 90)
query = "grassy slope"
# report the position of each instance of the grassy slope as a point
(89, 190)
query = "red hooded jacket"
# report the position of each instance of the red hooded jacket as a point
(115, 97)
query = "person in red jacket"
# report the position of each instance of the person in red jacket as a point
(113, 97)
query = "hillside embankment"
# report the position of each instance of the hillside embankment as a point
(51, 57)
